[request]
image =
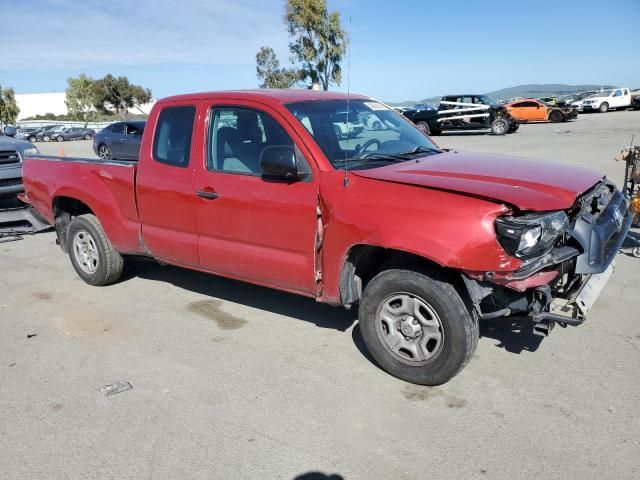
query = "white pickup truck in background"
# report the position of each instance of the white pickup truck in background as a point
(605, 100)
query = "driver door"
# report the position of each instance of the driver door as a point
(250, 227)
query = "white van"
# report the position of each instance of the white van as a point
(608, 99)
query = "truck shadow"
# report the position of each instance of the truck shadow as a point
(262, 298)
(514, 335)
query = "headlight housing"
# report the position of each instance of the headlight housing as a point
(530, 235)
(30, 151)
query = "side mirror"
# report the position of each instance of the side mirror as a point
(10, 131)
(279, 161)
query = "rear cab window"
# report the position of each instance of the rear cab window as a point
(172, 139)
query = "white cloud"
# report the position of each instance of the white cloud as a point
(61, 34)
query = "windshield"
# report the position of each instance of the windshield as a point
(603, 93)
(374, 136)
(488, 100)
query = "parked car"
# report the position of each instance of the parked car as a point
(532, 110)
(12, 152)
(52, 133)
(423, 241)
(72, 133)
(549, 100)
(37, 134)
(607, 100)
(25, 133)
(464, 112)
(635, 102)
(120, 140)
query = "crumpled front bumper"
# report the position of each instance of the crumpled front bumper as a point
(589, 258)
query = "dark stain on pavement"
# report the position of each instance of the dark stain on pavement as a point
(416, 393)
(210, 309)
(55, 407)
(44, 296)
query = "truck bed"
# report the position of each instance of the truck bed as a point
(105, 187)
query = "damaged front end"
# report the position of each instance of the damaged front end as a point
(567, 258)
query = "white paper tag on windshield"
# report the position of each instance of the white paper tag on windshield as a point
(375, 106)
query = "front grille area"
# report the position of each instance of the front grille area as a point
(10, 182)
(8, 157)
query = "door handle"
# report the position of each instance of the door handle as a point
(207, 195)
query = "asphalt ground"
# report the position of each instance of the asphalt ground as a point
(237, 381)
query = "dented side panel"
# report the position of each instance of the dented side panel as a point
(455, 231)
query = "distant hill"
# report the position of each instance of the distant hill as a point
(533, 90)
(542, 90)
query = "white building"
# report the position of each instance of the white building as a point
(32, 104)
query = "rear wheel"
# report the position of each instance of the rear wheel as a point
(423, 127)
(556, 116)
(103, 152)
(604, 107)
(60, 138)
(417, 326)
(32, 139)
(499, 126)
(91, 252)
(87, 137)
(636, 252)
(46, 138)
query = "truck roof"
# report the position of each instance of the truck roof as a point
(273, 95)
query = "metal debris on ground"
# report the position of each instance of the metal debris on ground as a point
(31, 335)
(115, 388)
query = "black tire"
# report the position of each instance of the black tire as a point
(45, 138)
(60, 138)
(499, 126)
(423, 127)
(32, 139)
(514, 127)
(106, 261)
(104, 152)
(636, 252)
(556, 116)
(457, 324)
(604, 107)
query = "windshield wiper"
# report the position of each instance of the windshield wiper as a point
(418, 150)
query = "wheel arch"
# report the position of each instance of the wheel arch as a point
(65, 209)
(364, 261)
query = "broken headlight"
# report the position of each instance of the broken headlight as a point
(530, 235)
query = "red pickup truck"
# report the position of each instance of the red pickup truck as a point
(263, 186)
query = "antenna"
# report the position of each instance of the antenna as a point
(346, 152)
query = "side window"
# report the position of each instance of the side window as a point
(172, 141)
(237, 136)
(617, 93)
(117, 128)
(133, 129)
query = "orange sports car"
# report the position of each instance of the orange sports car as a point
(532, 110)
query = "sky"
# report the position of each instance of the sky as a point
(400, 49)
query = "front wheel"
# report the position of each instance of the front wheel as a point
(91, 252)
(636, 252)
(423, 127)
(46, 138)
(32, 139)
(604, 107)
(60, 138)
(87, 137)
(103, 152)
(417, 327)
(514, 127)
(499, 126)
(556, 116)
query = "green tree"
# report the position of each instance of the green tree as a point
(118, 94)
(318, 41)
(80, 96)
(9, 109)
(271, 74)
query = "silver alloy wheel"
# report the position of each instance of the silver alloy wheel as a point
(85, 252)
(409, 328)
(500, 127)
(103, 152)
